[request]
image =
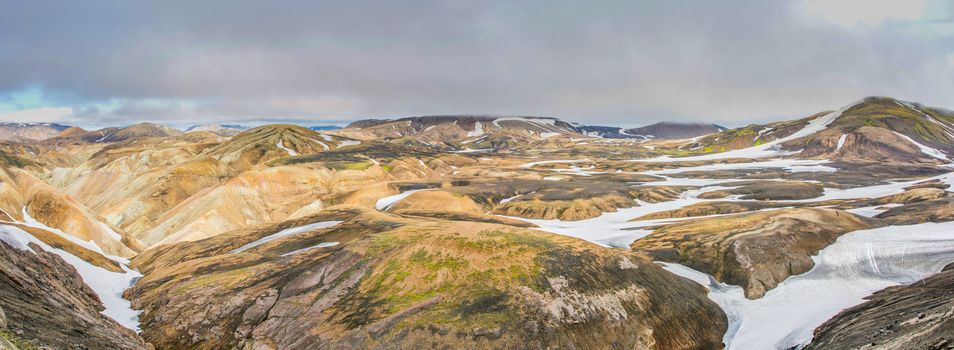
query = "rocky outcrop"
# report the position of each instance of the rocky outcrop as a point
(915, 316)
(756, 251)
(710, 208)
(394, 282)
(671, 130)
(768, 190)
(567, 210)
(46, 303)
(940, 210)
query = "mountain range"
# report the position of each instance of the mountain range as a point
(825, 232)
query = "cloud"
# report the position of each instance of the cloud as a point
(613, 62)
(869, 12)
(48, 114)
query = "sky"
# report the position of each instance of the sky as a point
(624, 63)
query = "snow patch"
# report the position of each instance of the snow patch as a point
(386, 202)
(933, 152)
(281, 145)
(478, 130)
(841, 141)
(320, 245)
(287, 232)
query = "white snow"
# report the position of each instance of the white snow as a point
(287, 232)
(386, 202)
(322, 144)
(873, 210)
(31, 222)
(108, 285)
(792, 165)
(320, 245)
(281, 145)
(856, 265)
(478, 130)
(345, 143)
(877, 190)
(508, 199)
(841, 141)
(933, 152)
(105, 136)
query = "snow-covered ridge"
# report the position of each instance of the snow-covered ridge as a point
(768, 149)
(108, 285)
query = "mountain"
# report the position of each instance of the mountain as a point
(462, 133)
(113, 134)
(224, 130)
(324, 127)
(672, 130)
(871, 129)
(608, 132)
(25, 132)
(483, 232)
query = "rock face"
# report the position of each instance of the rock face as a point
(46, 304)
(756, 251)
(768, 190)
(392, 282)
(915, 316)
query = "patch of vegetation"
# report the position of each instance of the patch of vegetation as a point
(536, 242)
(14, 161)
(437, 261)
(14, 339)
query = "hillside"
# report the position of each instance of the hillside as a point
(871, 129)
(477, 231)
(26, 132)
(671, 130)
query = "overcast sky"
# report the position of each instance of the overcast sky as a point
(626, 63)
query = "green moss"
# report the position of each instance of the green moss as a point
(20, 343)
(436, 262)
(532, 241)
(14, 161)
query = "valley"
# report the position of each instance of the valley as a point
(831, 231)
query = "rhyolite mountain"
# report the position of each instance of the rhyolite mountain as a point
(26, 132)
(672, 130)
(475, 232)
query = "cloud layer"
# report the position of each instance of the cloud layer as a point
(610, 62)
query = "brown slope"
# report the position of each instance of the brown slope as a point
(396, 282)
(46, 303)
